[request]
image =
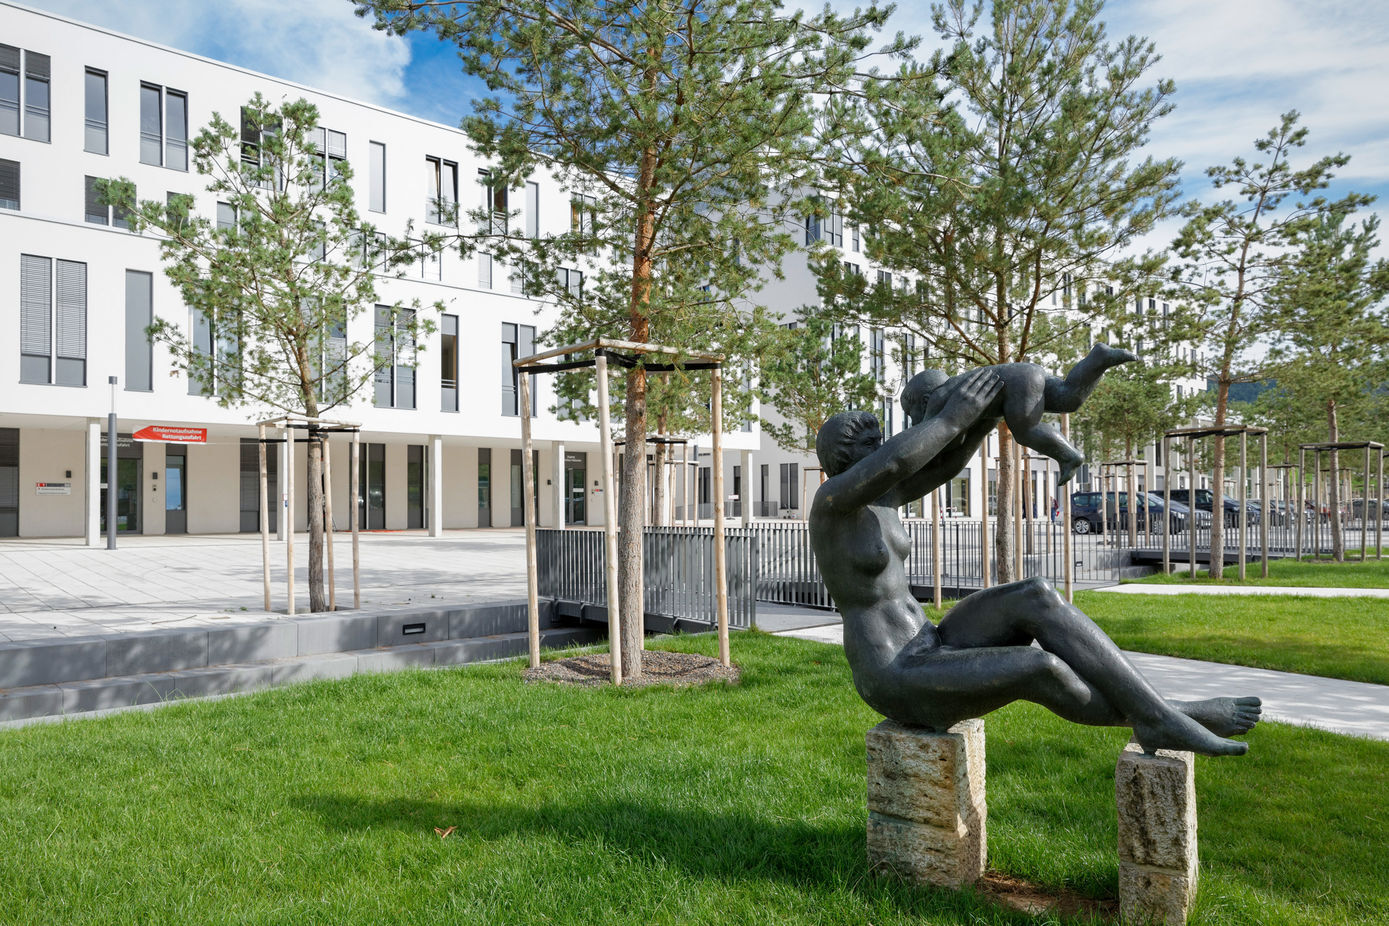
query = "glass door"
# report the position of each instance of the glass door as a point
(127, 497)
(175, 490)
(575, 475)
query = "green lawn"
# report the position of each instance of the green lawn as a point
(1288, 572)
(1334, 637)
(721, 805)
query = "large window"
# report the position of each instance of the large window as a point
(29, 96)
(790, 486)
(52, 321)
(95, 137)
(517, 341)
(395, 357)
(163, 127)
(96, 209)
(532, 209)
(494, 202)
(583, 211)
(377, 174)
(9, 184)
(332, 153)
(571, 281)
(448, 362)
(139, 313)
(441, 192)
(484, 270)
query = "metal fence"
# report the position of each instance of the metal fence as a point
(678, 571)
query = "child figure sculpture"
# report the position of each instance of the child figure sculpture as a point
(1027, 393)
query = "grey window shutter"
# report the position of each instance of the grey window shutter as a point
(36, 65)
(9, 58)
(35, 305)
(9, 184)
(72, 310)
(96, 209)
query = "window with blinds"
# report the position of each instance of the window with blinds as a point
(95, 123)
(95, 209)
(29, 96)
(52, 321)
(9, 184)
(163, 127)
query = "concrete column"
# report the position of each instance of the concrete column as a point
(436, 485)
(93, 482)
(745, 463)
(557, 482)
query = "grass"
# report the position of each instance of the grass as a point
(726, 804)
(1294, 573)
(1333, 637)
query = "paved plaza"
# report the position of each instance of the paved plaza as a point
(62, 589)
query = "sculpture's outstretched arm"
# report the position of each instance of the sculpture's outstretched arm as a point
(940, 470)
(905, 454)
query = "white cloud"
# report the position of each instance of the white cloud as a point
(314, 42)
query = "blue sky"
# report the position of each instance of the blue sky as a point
(1238, 64)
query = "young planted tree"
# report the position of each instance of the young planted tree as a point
(1230, 254)
(276, 280)
(684, 126)
(1327, 309)
(999, 180)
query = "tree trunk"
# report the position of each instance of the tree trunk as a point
(317, 600)
(631, 513)
(1333, 501)
(1004, 542)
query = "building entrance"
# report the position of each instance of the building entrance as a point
(127, 497)
(9, 482)
(175, 489)
(575, 477)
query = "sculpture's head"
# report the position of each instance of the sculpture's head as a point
(845, 439)
(918, 392)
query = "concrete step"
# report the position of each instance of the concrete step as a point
(80, 696)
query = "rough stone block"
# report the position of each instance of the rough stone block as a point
(1156, 800)
(926, 803)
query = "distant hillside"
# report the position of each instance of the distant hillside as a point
(1245, 392)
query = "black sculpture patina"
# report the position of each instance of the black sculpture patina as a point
(980, 657)
(1028, 392)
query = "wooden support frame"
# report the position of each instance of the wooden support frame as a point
(1370, 448)
(603, 349)
(1241, 431)
(318, 429)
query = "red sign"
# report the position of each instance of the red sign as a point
(172, 435)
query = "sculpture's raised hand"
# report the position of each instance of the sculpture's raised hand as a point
(974, 395)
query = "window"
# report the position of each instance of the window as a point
(139, 313)
(854, 241)
(164, 127)
(532, 209)
(571, 282)
(877, 354)
(97, 211)
(52, 321)
(834, 229)
(332, 153)
(226, 217)
(333, 386)
(790, 476)
(179, 207)
(441, 192)
(219, 341)
(35, 96)
(582, 211)
(484, 270)
(395, 354)
(377, 167)
(494, 202)
(448, 362)
(9, 184)
(95, 139)
(885, 278)
(812, 229)
(517, 341)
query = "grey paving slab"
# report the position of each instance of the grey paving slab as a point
(156, 651)
(252, 642)
(313, 668)
(49, 661)
(37, 701)
(336, 633)
(108, 693)
(395, 658)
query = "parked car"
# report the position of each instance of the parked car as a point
(1205, 499)
(1087, 516)
(1357, 509)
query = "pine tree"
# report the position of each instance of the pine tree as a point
(685, 127)
(1230, 254)
(276, 284)
(1000, 178)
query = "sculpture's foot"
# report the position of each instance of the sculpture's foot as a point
(1180, 732)
(1068, 469)
(1112, 356)
(1223, 716)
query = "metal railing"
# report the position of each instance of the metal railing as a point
(678, 571)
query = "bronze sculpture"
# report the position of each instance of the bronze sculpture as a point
(981, 655)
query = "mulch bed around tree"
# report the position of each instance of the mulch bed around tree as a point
(1023, 896)
(658, 667)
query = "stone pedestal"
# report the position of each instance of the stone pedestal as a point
(926, 808)
(1156, 797)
